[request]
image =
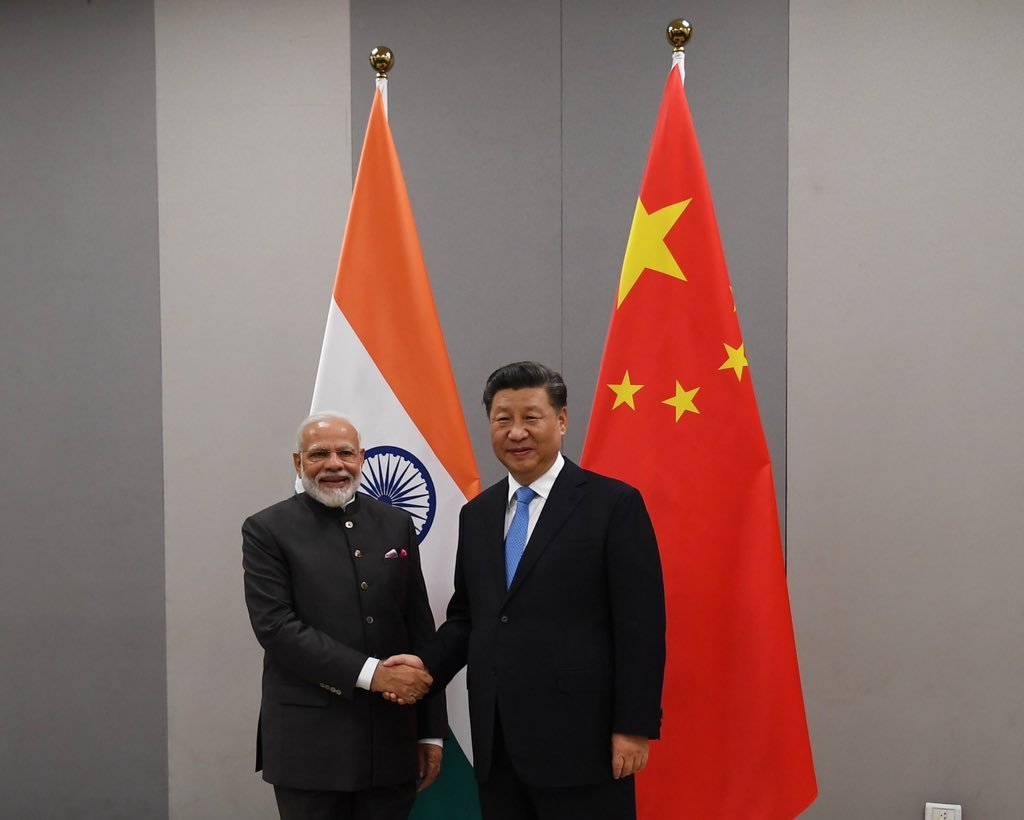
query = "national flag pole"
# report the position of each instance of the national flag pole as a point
(384, 364)
(675, 389)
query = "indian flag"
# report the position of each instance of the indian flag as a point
(384, 363)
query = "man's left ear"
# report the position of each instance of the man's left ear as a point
(563, 418)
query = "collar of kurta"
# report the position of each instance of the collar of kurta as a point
(352, 508)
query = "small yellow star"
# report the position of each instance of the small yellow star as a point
(682, 401)
(624, 392)
(737, 361)
(646, 246)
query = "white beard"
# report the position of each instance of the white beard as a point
(331, 497)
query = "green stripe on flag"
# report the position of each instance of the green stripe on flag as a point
(453, 795)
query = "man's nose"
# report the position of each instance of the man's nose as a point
(334, 461)
(517, 431)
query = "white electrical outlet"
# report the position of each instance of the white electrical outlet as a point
(942, 811)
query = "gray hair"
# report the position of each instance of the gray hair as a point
(323, 415)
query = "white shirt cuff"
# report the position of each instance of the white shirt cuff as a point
(366, 675)
(433, 741)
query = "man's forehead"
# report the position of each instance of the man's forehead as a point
(330, 430)
(528, 396)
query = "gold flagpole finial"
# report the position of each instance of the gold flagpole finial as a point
(678, 34)
(381, 60)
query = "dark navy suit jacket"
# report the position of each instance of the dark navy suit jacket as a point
(575, 649)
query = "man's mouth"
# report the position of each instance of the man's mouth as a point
(333, 479)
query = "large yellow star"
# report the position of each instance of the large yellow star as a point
(737, 361)
(646, 246)
(624, 392)
(682, 401)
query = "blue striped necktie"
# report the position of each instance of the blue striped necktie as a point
(515, 539)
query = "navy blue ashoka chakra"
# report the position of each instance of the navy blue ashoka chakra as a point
(395, 476)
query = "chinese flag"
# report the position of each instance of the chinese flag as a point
(675, 415)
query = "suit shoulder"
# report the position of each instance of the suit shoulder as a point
(606, 484)
(288, 506)
(497, 490)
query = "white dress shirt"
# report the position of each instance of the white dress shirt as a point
(542, 486)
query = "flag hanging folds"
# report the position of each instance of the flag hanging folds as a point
(675, 415)
(384, 364)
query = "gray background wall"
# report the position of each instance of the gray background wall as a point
(905, 453)
(83, 686)
(523, 133)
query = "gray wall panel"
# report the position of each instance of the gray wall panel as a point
(82, 706)
(905, 480)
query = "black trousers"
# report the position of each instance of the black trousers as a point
(380, 803)
(506, 796)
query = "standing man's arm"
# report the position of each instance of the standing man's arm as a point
(432, 713)
(419, 625)
(637, 596)
(446, 653)
(306, 651)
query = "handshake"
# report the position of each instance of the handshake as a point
(401, 679)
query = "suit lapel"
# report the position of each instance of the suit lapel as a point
(493, 518)
(566, 493)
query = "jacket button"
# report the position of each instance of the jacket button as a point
(358, 553)
(504, 619)
(369, 619)
(364, 585)
(349, 525)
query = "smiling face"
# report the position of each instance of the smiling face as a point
(330, 461)
(526, 431)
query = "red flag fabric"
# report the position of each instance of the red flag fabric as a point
(675, 415)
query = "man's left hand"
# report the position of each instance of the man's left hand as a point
(629, 754)
(430, 764)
